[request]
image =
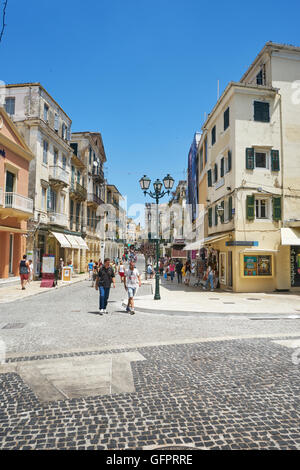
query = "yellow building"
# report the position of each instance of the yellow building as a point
(250, 161)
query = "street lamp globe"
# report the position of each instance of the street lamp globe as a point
(145, 183)
(168, 182)
(220, 210)
(157, 186)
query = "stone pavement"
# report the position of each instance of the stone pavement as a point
(180, 299)
(240, 394)
(11, 293)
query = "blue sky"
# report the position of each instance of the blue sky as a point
(142, 72)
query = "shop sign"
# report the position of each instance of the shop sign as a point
(48, 264)
(257, 266)
(66, 274)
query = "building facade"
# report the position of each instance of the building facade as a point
(46, 129)
(115, 229)
(15, 206)
(249, 177)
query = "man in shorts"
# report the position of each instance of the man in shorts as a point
(132, 281)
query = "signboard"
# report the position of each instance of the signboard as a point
(66, 274)
(48, 264)
(257, 265)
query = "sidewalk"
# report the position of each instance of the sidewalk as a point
(180, 299)
(15, 292)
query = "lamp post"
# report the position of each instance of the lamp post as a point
(158, 193)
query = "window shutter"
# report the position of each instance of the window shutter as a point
(216, 172)
(230, 208)
(250, 207)
(209, 182)
(261, 111)
(250, 158)
(223, 216)
(229, 160)
(275, 165)
(210, 217)
(68, 133)
(276, 208)
(216, 215)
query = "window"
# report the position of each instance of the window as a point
(209, 181)
(43, 199)
(260, 160)
(45, 152)
(261, 111)
(10, 105)
(10, 182)
(201, 158)
(51, 200)
(56, 122)
(46, 109)
(215, 173)
(63, 130)
(74, 146)
(261, 76)
(78, 176)
(261, 208)
(213, 135)
(90, 155)
(226, 119)
(64, 162)
(205, 150)
(222, 167)
(55, 157)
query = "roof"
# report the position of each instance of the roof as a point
(16, 85)
(268, 47)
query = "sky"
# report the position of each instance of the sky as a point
(141, 72)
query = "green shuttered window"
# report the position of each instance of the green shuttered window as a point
(210, 217)
(209, 180)
(230, 208)
(276, 208)
(275, 165)
(250, 213)
(250, 158)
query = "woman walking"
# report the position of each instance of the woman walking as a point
(24, 271)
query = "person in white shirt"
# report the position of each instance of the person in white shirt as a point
(132, 281)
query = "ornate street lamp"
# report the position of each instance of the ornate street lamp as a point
(157, 195)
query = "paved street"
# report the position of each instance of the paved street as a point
(75, 379)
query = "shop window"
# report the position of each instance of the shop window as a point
(257, 265)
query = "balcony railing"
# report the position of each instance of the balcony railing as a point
(80, 190)
(94, 198)
(16, 201)
(59, 174)
(57, 219)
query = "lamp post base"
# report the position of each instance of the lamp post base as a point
(157, 295)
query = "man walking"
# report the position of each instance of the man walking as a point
(105, 277)
(24, 271)
(132, 281)
(179, 267)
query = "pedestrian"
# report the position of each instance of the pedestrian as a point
(30, 274)
(90, 268)
(61, 265)
(161, 267)
(121, 271)
(178, 268)
(24, 271)
(132, 281)
(105, 278)
(210, 278)
(172, 270)
(95, 273)
(187, 270)
(150, 270)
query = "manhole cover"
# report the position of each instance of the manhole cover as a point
(227, 303)
(214, 298)
(252, 298)
(11, 326)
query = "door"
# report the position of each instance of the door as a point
(295, 266)
(11, 254)
(229, 268)
(10, 178)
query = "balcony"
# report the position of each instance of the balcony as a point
(58, 176)
(93, 198)
(57, 219)
(97, 174)
(13, 204)
(78, 191)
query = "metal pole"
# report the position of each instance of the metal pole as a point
(157, 295)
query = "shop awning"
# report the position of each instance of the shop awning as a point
(290, 236)
(73, 241)
(200, 243)
(81, 243)
(62, 240)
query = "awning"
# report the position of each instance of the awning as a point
(290, 236)
(62, 240)
(73, 241)
(200, 243)
(81, 243)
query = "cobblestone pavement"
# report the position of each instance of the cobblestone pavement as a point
(241, 394)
